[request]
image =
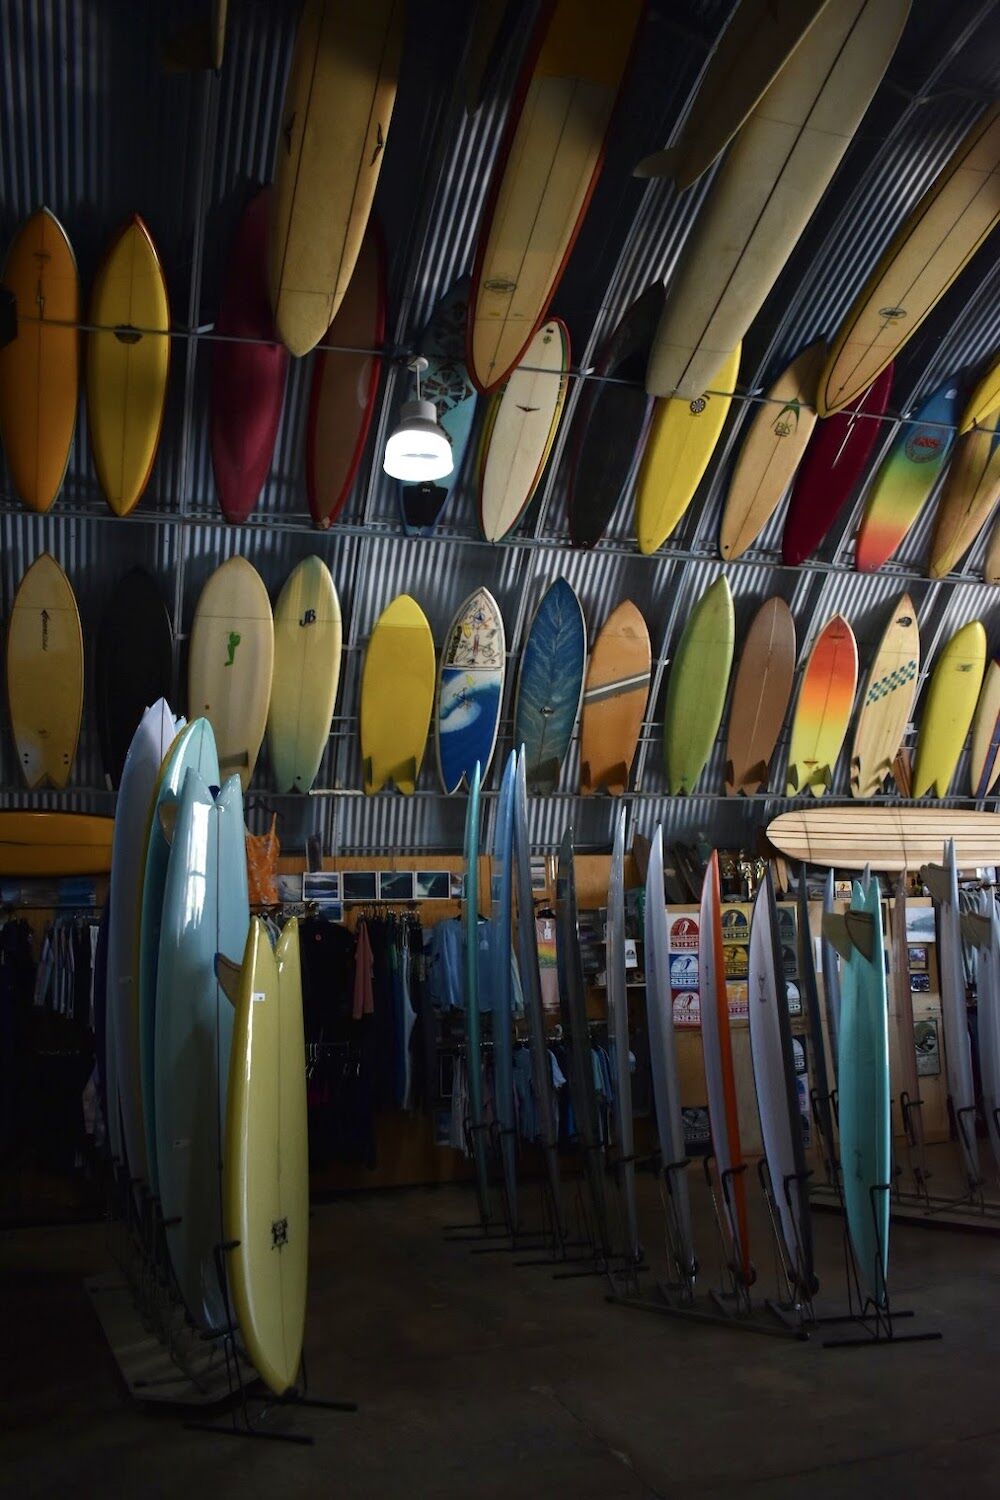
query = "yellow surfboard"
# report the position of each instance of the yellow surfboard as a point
(338, 103)
(397, 695)
(681, 442)
(971, 491)
(55, 843)
(40, 369)
(951, 702)
(984, 752)
(984, 400)
(127, 367)
(45, 674)
(307, 652)
(265, 1183)
(231, 662)
(888, 701)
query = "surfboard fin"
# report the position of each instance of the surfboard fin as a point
(835, 932)
(657, 164)
(976, 929)
(616, 780)
(792, 777)
(758, 774)
(228, 974)
(405, 776)
(935, 878)
(545, 776)
(237, 762)
(825, 776)
(168, 819)
(860, 927)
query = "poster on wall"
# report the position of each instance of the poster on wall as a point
(697, 1131)
(687, 1008)
(920, 924)
(684, 935)
(738, 999)
(925, 1039)
(432, 885)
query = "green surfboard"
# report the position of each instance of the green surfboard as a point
(696, 692)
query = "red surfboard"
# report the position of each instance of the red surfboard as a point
(248, 380)
(834, 461)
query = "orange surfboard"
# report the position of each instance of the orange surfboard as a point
(615, 694)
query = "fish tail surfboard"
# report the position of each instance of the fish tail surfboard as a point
(823, 710)
(308, 637)
(231, 663)
(696, 691)
(615, 694)
(888, 700)
(969, 496)
(760, 699)
(550, 685)
(984, 755)
(906, 479)
(470, 690)
(951, 701)
(397, 695)
(45, 674)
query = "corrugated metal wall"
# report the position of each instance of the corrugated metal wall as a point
(92, 125)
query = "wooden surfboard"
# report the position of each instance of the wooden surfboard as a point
(549, 685)
(397, 695)
(265, 1182)
(985, 400)
(935, 241)
(760, 698)
(906, 478)
(546, 170)
(696, 691)
(948, 708)
(984, 758)
(307, 650)
(344, 386)
(615, 693)
(445, 382)
(888, 701)
(834, 462)
(40, 368)
(887, 838)
(126, 369)
(470, 690)
(248, 374)
(45, 674)
(767, 189)
(338, 104)
(991, 563)
(823, 710)
(618, 1032)
(55, 843)
(134, 665)
(231, 662)
(942, 882)
(520, 429)
(682, 439)
(970, 493)
(771, 452)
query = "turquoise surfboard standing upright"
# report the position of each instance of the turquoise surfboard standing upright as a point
(501, 941)
(473, 1038)
(445, 382)
(550, 686)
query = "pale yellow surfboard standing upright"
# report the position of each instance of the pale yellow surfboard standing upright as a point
(307, 652)
(338, 104)
(397, 696)
(231, 663)
(950, 703)
(45, 674)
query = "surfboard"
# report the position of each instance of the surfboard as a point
(683, 435)
(942, 882)
(696, 691)
(777, 1095)
(617, 999)
(501, 958)
(766, 190)
(615, 693)
(969, 496)
(820, 1092)
(925, 255)
(610, 421)
(831, 968)
(720, 1080)
(834, 462)
(520, 428)
(473, 1038)
(887, 702)
(823, 710)
(307, 653)
(194, 748)
(889, 838)
(345, 385)
(335, 120)
(984, 756)
(45, 674)
(984, 401)
(134, 664)
(546, 170)
(54, 843)
(770, 453)
(127, 369)
(397, 695)
(991, 565)
(948, 709)
(151, 741)
(445, 382)
(39, 369)
(470, 689)
(905, 478)
(248, 369)
(549, 686)
(266, 1156)
(230, 663)
(761, 694)
(663, 1059)
(985, 936)
(902, 1010)
(205, 912)
(757, 42)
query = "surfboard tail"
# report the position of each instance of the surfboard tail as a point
(835, 932)
(792, 776)
(860, 926)
(975, 929)
(658, 164)
(935, 878)
(544, 777)
(372, 785)
(227, 972)
(405, 776)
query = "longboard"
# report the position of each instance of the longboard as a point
(615, 694)
(549, 686)
(932, 245)
(470, 690)
(446, 382)
(942, 882)
(889, 694)
(39, 369)
(984, 754)
(969, 496)
(397, 695)
(821, 1094)
(134, 664)
(761, 695)
(473, 1030)
(54, 843)
(902, 1010)
(831, 968)
(249, 368)
(948, 708)
(906, 478)
(617, 998)
(985, 400)
(520, 429)
(45, 674)
(127, 365)
(889, 838)
(308, 637)
(823, 710)
(230, 664)
(697, 688)
(985, 936)
(501, 944)
(991, 563)
(335, 120)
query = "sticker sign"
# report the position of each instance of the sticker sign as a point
(684, 934)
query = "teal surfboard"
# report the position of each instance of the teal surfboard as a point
(473, 1038)
(501, 941)
(549, 685)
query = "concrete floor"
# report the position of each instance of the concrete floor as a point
(477, 1379)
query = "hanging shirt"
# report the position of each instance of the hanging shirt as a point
(364, 992)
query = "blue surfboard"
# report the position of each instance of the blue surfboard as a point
(501, 940)
(470, 688)
(445, 382)
(549, 686)
(473, 1039)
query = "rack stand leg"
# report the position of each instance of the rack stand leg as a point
(874, 1316)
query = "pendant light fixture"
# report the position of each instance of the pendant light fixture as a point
(419, 449)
